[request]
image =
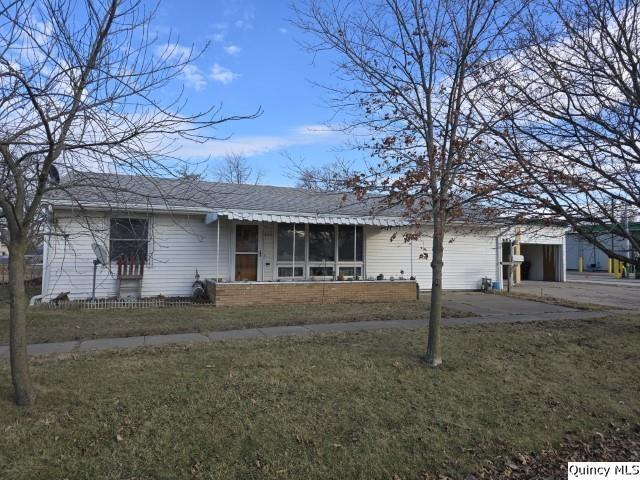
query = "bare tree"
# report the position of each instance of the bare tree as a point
(331, 177)
(235, 168)
(568, 123)
(409, 70)
(83, 87)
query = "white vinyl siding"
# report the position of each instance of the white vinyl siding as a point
(178, 246)
(268, 251)
(539, 235)
(468, 257)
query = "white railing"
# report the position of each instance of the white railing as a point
(114, 303)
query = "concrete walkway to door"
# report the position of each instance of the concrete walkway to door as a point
(486, 309)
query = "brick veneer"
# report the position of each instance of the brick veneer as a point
(279, 293)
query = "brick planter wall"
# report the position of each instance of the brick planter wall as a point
(281, 293)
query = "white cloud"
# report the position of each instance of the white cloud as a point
(219, 32)
(192, 75)
(232, 49)
(318, 130)
(194, 78)
(222, 74)
(283, 30)
(251, 145)
(173, 51)
(243, 145)
(245, 22)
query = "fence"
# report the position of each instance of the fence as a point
(31, 272)
(115, 303)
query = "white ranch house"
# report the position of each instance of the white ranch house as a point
(255, 234)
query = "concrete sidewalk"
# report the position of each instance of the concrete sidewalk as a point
(285, 331)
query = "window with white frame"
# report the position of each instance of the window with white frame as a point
(291, 248)
(322, 243)
(321, 271)
(350, 246)
(350, 271)
(129, 238)
(319, 251)
(287, 272)
(322, 251)
(349, 243)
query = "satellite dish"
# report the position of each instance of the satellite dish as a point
(101, 253)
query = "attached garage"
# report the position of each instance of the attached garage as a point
(541, 262)
(543, 249)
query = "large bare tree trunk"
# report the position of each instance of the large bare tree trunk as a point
(434, 352)
(23, 390)
(110, 113)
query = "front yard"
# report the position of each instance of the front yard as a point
(74, 324)
(356, 406)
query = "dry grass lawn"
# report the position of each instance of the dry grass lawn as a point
(60, 325)
(353, 406)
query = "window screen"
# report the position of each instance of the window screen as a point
(321, 243)
(286, 245)
(346, 235)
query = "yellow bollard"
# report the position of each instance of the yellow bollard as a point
(610, 265)
(580, 264)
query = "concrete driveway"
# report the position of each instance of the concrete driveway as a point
(484, 304)
(619, 295)
(602, 278)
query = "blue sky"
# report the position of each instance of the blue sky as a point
(254, 60)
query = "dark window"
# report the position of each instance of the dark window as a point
(321, 243)
(346, 235)
(129, 237)
(321, 271)
(348, 271)
(286, 271)
(285, 242)
(247, 238)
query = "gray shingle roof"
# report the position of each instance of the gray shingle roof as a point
(125, 191)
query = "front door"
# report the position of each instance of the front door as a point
(247, 252)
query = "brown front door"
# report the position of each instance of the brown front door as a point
(549, 263)
(247, 252)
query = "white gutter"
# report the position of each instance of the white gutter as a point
(137, 207)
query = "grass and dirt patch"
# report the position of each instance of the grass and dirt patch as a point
(563, 302)
(618, 444)
(49, 325)
(357, 406)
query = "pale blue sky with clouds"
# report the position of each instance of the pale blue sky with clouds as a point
(254, 60)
